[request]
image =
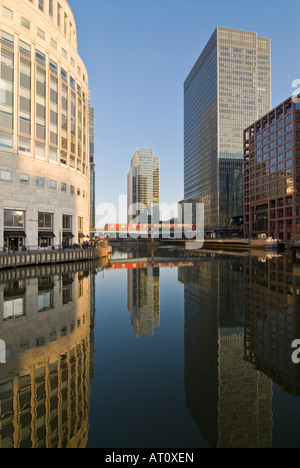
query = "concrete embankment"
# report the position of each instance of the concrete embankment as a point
(21, 259)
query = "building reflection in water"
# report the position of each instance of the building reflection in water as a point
(144, 299)
(229, 399)
(45, 383)
(272, 319)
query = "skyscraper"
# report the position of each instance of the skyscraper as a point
(229, 85)
(143, 181)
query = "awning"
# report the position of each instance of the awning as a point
(14, 234)
(68, 234)
(81, 235)
(44, 234)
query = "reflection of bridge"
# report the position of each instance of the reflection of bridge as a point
(134, 263)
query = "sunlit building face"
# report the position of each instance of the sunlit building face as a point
(44, 127)
(271, 168)
(143, 182)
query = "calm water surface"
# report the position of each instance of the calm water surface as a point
(151, 355)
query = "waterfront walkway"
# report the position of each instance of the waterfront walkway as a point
(48, 257)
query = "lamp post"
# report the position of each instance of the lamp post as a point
(59, 240)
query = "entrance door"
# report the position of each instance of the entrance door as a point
(15, 243)
(45, 242)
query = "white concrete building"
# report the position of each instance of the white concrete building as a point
(44, 127)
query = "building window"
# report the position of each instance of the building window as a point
(53, 154)
(63, 187)
(53, 43)
(14, 219)
(6, 140)
(41, 33)
(6, 176)
(24, 178)
(7, 12)
(40, 342)
(80, 224)
(40, 150)
(67, 231)
(45, 301)
(45, 220)
(72, 162)
(65, 24)
(24, 144)
(13, 309)
(40, 181)
(45, 223)
(52, 184)
(58, 15)
(41, 5)
(51, 8)
(67, 223)
(25, 23)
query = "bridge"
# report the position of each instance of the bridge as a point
(148, 262)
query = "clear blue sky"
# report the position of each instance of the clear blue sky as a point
(138, 54)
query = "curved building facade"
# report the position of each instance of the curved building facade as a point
(44, 127)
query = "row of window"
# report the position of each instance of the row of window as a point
(56, 14)
(274, 116)
(70, 135)
(16, 219)
(265, 184)
(273, 193)
(269, 135)
(6, 176)
(267, 195)
(41, 34)
(279, 141)
(6, 141)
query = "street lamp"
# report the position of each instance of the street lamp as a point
(59, 240)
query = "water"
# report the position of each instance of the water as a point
(154, 355)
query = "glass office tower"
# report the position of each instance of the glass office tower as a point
(229, 85)
(143, 182)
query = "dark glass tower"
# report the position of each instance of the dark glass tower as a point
(229, 84)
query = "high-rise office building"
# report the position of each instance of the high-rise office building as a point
(143, 182)
(229, 85)
(44, 127)
(92, 170)
(271, 174)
